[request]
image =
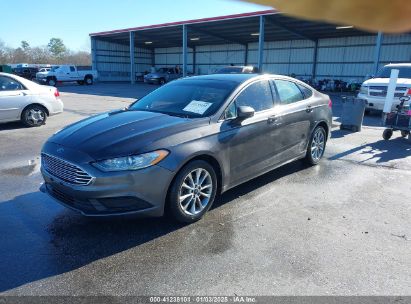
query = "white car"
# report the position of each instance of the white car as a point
(375, 90)
(26, 101)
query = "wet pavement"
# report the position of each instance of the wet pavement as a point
(340, 228)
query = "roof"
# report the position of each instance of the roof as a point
(239, 78)
(239, 28)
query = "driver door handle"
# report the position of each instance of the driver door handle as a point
(273, 120)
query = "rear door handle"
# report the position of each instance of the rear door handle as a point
(309, 109)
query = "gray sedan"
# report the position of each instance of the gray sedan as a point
(178, 147)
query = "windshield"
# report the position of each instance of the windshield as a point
(53, 69)
(187, 98)
(385, 72)
(163, 70)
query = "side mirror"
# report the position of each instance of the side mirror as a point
(244, 112)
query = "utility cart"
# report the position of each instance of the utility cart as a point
(399, 120)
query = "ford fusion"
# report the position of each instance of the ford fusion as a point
(178, 147)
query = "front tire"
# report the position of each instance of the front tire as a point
(34, 116)
(192, 192)
(162, 81)
(387, 134)
(51, 82)
(88, 80)
(316, 146)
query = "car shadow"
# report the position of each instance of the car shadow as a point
(381, 151)
(40, 239)
(116, 89)
(11, 126)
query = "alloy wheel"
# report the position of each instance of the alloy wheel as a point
(318, 145)
(35, 117)
(195, 191)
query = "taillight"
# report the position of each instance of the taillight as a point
(330, 103)
(408, 92)
(56, 93)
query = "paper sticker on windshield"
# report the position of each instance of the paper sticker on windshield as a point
(198, 107)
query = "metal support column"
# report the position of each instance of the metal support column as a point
(261, 45)
(377, 52)
(315, 59)
(153, 58)
(246, 55)
(132, 59)
(184, 50)
(194, 59)
(93, 53)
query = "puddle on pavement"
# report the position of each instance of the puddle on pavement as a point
(26, 170)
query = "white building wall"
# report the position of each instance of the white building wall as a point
(113, 61)
(346, 58)
(171, 57)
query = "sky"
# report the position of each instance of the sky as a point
(73, 20)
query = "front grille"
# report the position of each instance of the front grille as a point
(384, 94)
(64, 170)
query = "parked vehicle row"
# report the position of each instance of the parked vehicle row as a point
(26, 101)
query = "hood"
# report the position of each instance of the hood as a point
(42, 73)
(121, 133)
(385, 81)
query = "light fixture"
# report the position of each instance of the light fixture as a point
(195, 39)
(255, 34)
(148, 42)
(344, 27)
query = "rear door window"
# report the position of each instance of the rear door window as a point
(306, 91)
(9, 84)
(288, 92)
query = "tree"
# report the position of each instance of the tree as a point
(25, 45)
(57, 47)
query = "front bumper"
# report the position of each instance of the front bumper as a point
(111, 193)
(152, 80)
(375, 103)
(41, 80)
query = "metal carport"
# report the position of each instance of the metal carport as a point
(240, 29)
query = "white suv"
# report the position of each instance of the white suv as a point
(375, 90)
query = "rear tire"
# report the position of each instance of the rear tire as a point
(192, 192)
(316, 146)
(162, 81)
(34, 116)
(404, 133)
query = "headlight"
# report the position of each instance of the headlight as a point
(364, 90)
(134, 162)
